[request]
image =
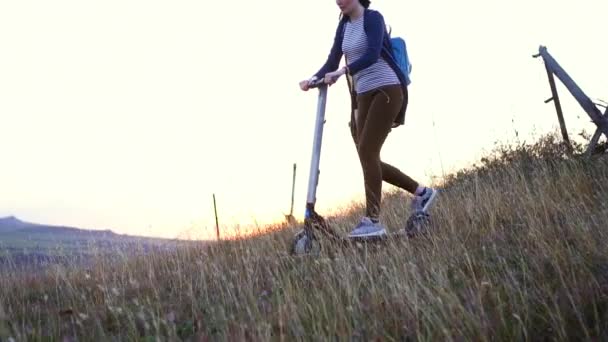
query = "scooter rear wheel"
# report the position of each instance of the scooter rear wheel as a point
(418, 224)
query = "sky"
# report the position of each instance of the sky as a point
(129, 115)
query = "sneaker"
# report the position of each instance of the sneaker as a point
(367, 228)
(423, 201)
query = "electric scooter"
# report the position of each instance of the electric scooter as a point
(306, 241)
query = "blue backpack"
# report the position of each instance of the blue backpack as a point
(401, 56)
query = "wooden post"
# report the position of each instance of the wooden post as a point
(217, 226)
(293, 186)
(290, 218)
(558, 107)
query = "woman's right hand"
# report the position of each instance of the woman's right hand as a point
(305, 85)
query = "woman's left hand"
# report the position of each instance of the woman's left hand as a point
(332, 77)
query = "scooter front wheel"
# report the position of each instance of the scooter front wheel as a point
(305, 244)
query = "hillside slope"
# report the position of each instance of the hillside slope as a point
(518, 252)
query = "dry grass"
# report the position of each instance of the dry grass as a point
(518, 252)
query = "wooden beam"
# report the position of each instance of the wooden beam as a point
(584, 101)
(595, 138)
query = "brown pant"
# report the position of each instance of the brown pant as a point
(377, 110)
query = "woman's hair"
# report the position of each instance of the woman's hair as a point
(364, 3)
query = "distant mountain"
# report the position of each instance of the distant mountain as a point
(16, 234)
(30, 243)
(11, 224)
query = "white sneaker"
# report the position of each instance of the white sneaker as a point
(367, 228)
(423, 201)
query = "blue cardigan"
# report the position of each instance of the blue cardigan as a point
(378, 45)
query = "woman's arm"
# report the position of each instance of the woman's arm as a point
(333, 59)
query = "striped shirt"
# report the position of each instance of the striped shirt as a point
(354, 46)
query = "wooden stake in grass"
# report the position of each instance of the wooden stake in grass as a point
(290, 218)
(217, 226)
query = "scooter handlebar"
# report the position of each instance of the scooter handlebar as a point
(316, 83)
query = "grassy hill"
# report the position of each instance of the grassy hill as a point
(518, 252)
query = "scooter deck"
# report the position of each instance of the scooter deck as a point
(417, 224)
(332, 239)
(376, 238)
(388, 237)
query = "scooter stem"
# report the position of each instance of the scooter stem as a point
(313, 177)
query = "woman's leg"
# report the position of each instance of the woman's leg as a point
(376, 112)
(390, 174)
(396, 177)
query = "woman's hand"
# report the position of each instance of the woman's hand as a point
(305, 85)
(332, 77)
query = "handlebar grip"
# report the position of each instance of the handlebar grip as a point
(316, 83)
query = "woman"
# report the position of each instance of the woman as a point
(379, 100)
